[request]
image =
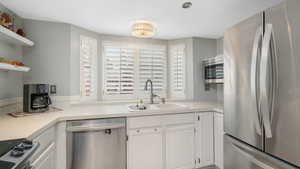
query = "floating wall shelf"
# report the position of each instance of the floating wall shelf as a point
(8, 67)
(13, 38)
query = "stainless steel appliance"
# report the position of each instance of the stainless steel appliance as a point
(213, 70)
(14, 154)
(36, 98)
(262, 90)
(96, 144)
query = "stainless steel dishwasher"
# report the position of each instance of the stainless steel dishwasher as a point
(96, 144)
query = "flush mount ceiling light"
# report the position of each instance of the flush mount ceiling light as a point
(187, 5)
(143, 29)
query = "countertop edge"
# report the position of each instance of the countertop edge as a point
(64, 117)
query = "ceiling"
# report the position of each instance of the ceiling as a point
(206, 18)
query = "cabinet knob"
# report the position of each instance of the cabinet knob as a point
(137, 131)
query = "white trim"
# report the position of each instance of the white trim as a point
(178, 95)
(94, 69)
(136, 47)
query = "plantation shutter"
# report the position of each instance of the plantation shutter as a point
(119, 72)
(88, 68)
(152, 65)
(177, 71)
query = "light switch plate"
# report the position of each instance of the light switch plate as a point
(52, 89)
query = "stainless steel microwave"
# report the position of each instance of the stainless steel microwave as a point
(214, 70)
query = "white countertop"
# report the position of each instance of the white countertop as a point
(31, 126)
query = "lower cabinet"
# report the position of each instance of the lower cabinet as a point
(182, 141)
(219, 132)
(180, 147)
(145, 149)
(161, 142)
(46, 160)
(204, 139)
(45, 155)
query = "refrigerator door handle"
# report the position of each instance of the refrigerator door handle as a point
(247, 153)
(265, 106)
(254, 61)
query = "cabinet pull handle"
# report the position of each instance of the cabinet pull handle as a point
(199, 161)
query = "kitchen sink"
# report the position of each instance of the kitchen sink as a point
(157, 107)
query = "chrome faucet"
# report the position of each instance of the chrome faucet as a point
(152, 95)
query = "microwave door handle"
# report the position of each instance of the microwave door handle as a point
(265, 59)
(254, 61)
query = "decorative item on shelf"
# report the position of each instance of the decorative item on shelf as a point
(6, 21)
(11, 62)
(21, 32)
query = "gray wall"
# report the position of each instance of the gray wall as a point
(197, 50)
(55, 57)
(50, 56)
(203, 48)
(11, 83)
(220, 49)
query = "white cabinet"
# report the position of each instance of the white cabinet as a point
(180, 147)
(219, 132)
(46, 160)
(204, 139)
(145, 148)
(45, 156)
(181, 141)
(161, 142)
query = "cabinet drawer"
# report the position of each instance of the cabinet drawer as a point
(146, 121)
(44, 139)
(187, 118)
(48, 153)
(144, 131)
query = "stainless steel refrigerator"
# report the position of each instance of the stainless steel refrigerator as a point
(262, 90)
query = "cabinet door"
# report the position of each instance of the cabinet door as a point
(204, 139)
(219, 132)
(145, 149)
(46, 159)
(180, 147)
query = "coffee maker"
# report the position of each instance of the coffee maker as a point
(36, 98)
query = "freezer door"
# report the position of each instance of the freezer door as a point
(242, 47)
(242, 156)
(284, 120)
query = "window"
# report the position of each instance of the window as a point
(152, 65)
(88, 68)
(127, 67)
(177, 71)
(119, 73)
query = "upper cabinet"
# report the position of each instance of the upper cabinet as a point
(11, 37)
